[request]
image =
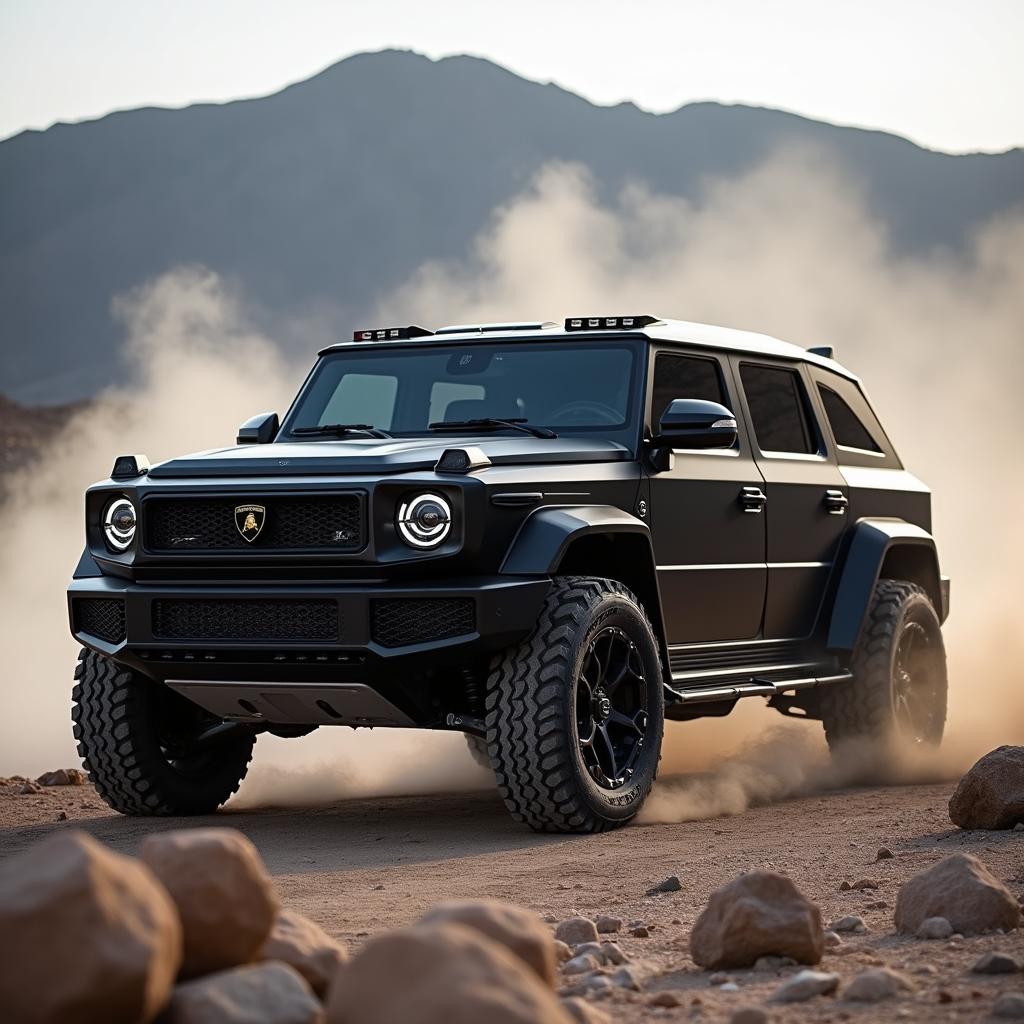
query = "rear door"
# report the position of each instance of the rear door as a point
(708, 543)
(808, 498)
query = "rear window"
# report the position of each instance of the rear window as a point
(778, 409)
(846, 427)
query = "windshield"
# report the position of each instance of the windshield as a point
(571, 388)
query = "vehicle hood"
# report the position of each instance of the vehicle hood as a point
(373, 456)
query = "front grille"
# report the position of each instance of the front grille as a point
(101, 617)
(329, 523)
(398, 622)
(181, 619)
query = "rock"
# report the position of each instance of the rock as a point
(222, 891)
(671, 884)
(963, 891)
(876, 905)
(1009, 1006)
(876, 984)
(577, 930)
(864, 883)
(849, 923)
(639, 931)
(27, 788)
(991, 794)
(844, 886)
(607, 925)
(884, 853)
(440, 974)
(594, 948)
(718, 978)
(754, 915)
(62, 777)
(805, 985)
(768, 964)
(665, 998)
(1019, 827)
(749, 1015)
(934, 928)
(519, 930)
(625, 977)
(563, 951)
(266, 993)
(304, 945)
(995, 962)
(89, 936)
(62, 815)
(832, 939)
(729, 986)
(582, 964)
(582, 1012)
(613, 953)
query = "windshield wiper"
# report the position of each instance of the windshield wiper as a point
(513, 423)
(340, 428)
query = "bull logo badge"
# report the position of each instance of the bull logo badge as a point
(249, 520)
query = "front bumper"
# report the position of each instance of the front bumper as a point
(308, 633)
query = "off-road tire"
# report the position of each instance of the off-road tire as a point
(532, 734)
(116, 723)
(864, 710)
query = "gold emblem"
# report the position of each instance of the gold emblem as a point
(249, 520)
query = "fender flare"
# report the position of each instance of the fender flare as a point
(871, 542)
(87, 567)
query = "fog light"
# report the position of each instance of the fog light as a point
(119, 524)
(424, 521)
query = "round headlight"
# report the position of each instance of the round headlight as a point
(119, 524)
(424, 521)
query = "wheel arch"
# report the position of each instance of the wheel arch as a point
(592, 540)
(883, 549)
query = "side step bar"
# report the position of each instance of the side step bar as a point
(751, 688)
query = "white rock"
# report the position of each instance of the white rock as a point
(805, 985)
(934, 928)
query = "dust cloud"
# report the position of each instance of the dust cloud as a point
(788, 249)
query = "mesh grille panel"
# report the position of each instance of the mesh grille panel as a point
(178, 619)
(398, 622)
(102, 617)
(330, 523)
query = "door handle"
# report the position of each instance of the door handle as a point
(753, 499)
(836, 503)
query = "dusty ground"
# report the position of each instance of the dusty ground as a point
(361, 866)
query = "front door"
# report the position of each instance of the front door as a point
(707, 521)
(808, 497)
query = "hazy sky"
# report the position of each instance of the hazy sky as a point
(946, 73)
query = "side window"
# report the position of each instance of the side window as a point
(684, 377)
(778, 408)
(362, 398)
(846, 427)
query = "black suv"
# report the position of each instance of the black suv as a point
(548, 538)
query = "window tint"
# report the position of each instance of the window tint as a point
(362, 398)
(684, 377)
(778, 408)
(847, 428)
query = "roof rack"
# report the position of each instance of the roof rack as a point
(391, 333)
(532, 325)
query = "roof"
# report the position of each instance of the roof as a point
(681, 332)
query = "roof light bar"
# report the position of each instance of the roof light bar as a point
(391, 334)
(605, 323)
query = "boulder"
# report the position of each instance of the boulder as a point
(304, 945)
(577, 930)
(584, 963)
(88, 935)
(991, 794)
(62, 777)
(876, 984)
(222, 891)
(440, 974)
(758, 914)
(963, 891)
(266, 993)
(519, 930)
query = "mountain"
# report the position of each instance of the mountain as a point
(328, 194)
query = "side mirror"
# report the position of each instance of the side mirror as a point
(261, 429)
(692, 423)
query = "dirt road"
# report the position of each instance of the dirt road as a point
(361, 866)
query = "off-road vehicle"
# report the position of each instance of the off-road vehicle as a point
(550, 538)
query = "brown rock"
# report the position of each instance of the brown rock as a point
(755, 915)
(88, 935)
(563, 951)
(582, 1012)
(577, 930)
(516, 928)
(267, 993)
(440, 974)
(749, 1015)
(991, 794)
(304, 945)
(62, 777)
(876, 984)
(665, 998)
(222, 891)
(996, 962)
(963, 891)
(608, 925)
